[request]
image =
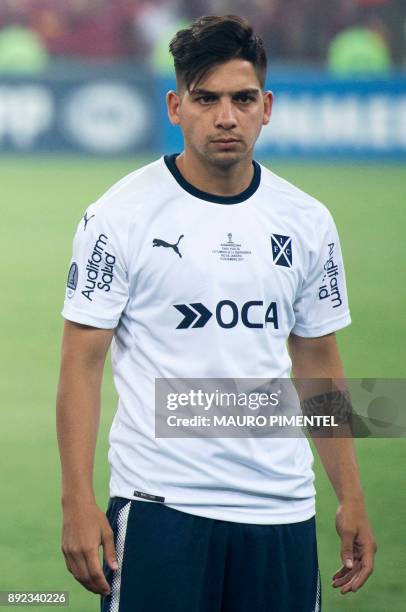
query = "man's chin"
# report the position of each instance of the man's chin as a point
(225, 159)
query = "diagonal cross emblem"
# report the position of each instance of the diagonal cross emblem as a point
(282, 250)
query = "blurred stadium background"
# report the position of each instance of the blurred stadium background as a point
(82, 86)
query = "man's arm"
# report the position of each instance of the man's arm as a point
(85, 526)
(316, 358)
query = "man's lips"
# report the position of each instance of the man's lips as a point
(226, 140)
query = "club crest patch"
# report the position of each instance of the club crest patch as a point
(282, 250)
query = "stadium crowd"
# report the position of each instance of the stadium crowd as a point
(129, 29)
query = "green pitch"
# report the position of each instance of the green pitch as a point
(42, 201)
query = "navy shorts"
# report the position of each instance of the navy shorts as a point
(171, 561)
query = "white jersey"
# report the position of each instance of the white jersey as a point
(262, 264)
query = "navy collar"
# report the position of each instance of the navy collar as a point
(210, 197)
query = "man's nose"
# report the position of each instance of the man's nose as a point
(226, 116)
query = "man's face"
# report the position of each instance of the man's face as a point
(222, 116)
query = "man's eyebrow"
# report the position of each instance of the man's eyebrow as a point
(206, 92)
(253, 91)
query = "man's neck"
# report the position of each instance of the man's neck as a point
(222, 181)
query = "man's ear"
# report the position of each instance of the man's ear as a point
(173, 102)
(268, 102)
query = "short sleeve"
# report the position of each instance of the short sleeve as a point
(321, 306)
(97, 283)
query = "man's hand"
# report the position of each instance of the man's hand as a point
(358, 547)
(85, 528)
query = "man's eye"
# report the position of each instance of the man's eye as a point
(206, 99)
(245, 99)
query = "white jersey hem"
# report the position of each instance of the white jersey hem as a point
(236, 514)
(85, 319)
(321, 330)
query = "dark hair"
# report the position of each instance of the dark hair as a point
(212, 40)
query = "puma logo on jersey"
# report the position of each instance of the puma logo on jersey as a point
(86, 219)
(157, 242)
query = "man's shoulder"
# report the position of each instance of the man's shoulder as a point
(292, 198)
(132, 191)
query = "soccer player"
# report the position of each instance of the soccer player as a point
(204, 264)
